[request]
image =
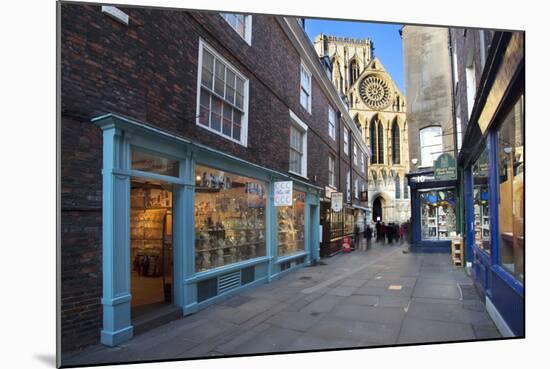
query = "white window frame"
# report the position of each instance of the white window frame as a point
(354, 152)
(331, 170)
(301, 126)
(244, 120)
(356, 188)
(346, 141)
(362, 162)
(247, 37)
(302, 88)
(426, 160)
(331, 123)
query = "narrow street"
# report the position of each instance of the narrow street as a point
(378, 297)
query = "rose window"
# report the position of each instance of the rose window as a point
(375, 92)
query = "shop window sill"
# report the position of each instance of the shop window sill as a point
(200, 276)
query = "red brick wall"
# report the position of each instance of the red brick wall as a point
(148, 71)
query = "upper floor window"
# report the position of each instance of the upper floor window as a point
(241, 23)
(356, 188)
(354, 153)
(222, 96)
(431, 145)
(305, 88)
(348, 184)
(331, 170)
(397, 187)
(353, 71)
(380, 143)
(362, 162)
(298, 146)
(346, 141)
(373, 143)
(331, 123)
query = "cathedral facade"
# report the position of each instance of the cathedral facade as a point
(379, 110)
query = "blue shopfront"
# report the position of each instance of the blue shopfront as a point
(433, 212)
(186, 226)
(493, 184)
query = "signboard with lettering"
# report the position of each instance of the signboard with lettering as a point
(336, 201)
(445, 167)
(283, 193)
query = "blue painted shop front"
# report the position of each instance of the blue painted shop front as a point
(243, 240)
(431, 228)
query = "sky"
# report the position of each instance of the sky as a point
(385, 37)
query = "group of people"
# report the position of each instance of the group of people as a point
(388, 233)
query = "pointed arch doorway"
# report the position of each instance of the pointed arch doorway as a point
(377, 209)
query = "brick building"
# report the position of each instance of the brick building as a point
(175, 127)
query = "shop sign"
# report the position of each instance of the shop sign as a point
(422, 178)
(337, 201)
(445, 167)
(364, 196)
(283, 193)
(328, 191)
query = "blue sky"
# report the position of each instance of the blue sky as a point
(386, 39)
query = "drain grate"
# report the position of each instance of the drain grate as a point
(469, 292)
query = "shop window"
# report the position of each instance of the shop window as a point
(438, 214)
(346, 141)
(291, 225)
(229, 218)
(406, 188)
(222, 97)
(305, 88)
(331, 123)
(511, 192)
(153, 163)
(241, 23)
(482, 230)
(431, 145)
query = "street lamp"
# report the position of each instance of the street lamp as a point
(414, 161)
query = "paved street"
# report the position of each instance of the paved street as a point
(366, 298)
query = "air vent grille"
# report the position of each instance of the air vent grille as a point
(229, 281)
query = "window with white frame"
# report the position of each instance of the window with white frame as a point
(305, 88)
(363, 187)
(346, 141)
(298, 146)
(222, 96)
(348, 184)
(241, 23)
(356, 188)
(431, 145)
(331, 123)
(354, 153)
(331, 170)
(362, 162)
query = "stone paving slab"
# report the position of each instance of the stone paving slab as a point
(345, 303)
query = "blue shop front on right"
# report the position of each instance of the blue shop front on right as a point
(492, 168)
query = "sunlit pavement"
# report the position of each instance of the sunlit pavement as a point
(369, 297)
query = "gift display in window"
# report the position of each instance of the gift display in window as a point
(438, 213)
(291, 225)
(229, 218)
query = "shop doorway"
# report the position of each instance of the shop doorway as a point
(377, 210)
(151, 250)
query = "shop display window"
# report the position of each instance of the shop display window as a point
(511, 195)
(438, 214)
(482, 230)
(147, 162)
(229, 218)
(291, 225)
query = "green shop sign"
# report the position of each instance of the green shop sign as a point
(445, 167)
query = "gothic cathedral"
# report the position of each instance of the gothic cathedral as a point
(379, 110)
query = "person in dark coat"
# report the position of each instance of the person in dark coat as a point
(378, 231)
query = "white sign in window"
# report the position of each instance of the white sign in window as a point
(283, 193)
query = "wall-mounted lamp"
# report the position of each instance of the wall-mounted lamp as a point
(414, 161)
(507, 150)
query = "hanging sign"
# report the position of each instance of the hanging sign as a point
(445, 167)
(283, 193)
(336, 201)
